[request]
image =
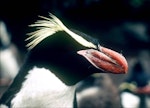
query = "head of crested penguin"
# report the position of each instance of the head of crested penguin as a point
(71, 55)
(68, 55)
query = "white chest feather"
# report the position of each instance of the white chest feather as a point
(43, 89)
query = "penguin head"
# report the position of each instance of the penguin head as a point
(70, 55)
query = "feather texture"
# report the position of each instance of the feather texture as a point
(49, 26)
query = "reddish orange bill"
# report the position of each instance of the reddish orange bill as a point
(106, 60)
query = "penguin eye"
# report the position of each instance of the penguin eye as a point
(98, 47)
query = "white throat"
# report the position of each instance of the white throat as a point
(43, 89)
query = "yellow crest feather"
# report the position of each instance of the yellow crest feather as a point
(49, 26)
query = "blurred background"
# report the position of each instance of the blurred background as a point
(121, 25)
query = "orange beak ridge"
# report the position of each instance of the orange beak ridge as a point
(106, 60)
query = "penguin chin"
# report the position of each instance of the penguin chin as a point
(105, 59)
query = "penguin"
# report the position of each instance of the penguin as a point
(57, 60)
(8, 52)
(10, 57)
(97, 91)
(136, 88)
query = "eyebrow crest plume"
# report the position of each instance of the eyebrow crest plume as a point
(49, 26)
